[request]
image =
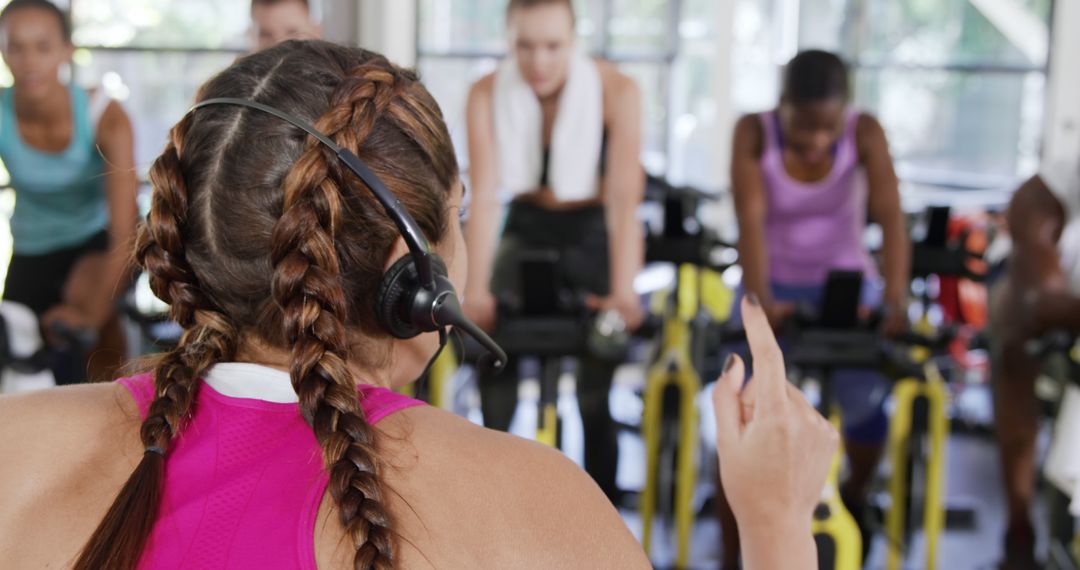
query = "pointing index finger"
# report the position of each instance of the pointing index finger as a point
(769, 372)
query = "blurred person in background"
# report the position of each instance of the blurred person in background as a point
(556, 134)
(274, 21)
(70, 154)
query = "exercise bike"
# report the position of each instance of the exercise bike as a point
(833, 337)
(544, 327)
(696, 301)
(918, 429)
(26, 362)
(150, 315)
(1060, 352)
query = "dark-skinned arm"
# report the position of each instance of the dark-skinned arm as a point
(748, 191)
(885, 210)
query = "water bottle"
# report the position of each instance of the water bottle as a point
(609, 337)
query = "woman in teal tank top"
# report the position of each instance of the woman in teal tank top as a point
(71, 160)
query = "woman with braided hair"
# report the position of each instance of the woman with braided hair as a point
(270, 437)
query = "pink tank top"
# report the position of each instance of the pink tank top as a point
(812, 228)
(244, 480)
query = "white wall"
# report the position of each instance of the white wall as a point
(339, 19)
(389, 27)
(1062, 132)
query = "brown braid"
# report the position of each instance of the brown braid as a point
(240, 195)
(208, 338)
(307, 285)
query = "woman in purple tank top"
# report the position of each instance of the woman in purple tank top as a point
(804, 177)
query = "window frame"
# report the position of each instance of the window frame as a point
(855, 14)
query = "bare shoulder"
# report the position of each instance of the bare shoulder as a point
(67, 451)
(749, 137)
(867, 122)
(622, 97)
(1033, 205)
(483, 87)
(114, 123)
(616, 83)
(514, 502)
(612, 76)
(75, 423)
(83, 407)
(868, 131)
(114, 116)
(749, 125)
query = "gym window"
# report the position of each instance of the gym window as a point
(932, 71)
(959, 85)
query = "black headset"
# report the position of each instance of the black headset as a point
(415, 295)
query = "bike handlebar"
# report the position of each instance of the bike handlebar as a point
(1053, 342)
(82, 339)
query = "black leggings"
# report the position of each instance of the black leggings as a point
(38, 282)
(580, 238)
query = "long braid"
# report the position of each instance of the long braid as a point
(308, 287)
(208, 337)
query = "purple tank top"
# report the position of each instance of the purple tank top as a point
(812, 228)
(243, 481)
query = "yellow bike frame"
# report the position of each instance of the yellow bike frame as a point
(547, 432)
(442, 370)
(839, 525)
(905, 393)
(673, 367)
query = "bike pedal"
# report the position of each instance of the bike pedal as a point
(960, 517)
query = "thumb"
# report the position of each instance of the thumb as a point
(593, 302)
(727, 405)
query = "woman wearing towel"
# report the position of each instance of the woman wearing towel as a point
(557, 135)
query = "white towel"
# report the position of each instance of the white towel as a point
(1062, 466)
(575, 140)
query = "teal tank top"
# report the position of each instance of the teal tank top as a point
(59, 197)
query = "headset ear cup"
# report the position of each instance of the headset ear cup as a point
(394, 298)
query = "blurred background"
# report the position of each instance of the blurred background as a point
(966, 89)
(973, 94)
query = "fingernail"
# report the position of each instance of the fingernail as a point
(753, 298)
(729, 363)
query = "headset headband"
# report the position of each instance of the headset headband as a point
(407, 226)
